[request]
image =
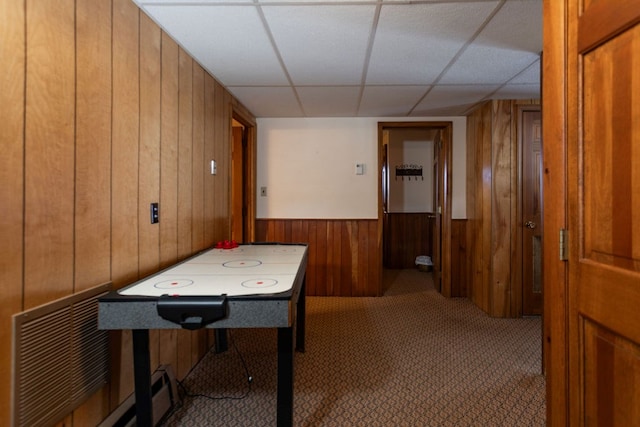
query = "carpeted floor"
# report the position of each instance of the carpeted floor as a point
(409, 358)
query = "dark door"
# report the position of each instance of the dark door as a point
(438, 202)
(531, 142)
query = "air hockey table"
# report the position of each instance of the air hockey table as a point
(258, 285)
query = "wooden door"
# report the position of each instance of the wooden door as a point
(530, 125)
(437, 207)
(603, 177)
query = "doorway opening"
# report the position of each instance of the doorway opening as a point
(415, 196)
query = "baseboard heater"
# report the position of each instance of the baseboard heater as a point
(164, 396)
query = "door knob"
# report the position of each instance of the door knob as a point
(530, 224)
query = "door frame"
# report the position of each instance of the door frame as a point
(446, 129)
(554, 79)
(243, 117)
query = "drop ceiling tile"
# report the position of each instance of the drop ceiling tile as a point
(189, 2)
(229, 41)
(312, 1)
(389, 100)
(268, 101)
(329, 101)
(453, 98)
(511, 42)
(518, 91)
(531, 74)
(322, 44)
(415, 42)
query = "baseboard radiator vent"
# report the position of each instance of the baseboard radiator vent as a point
(164, 397)
(60, 358)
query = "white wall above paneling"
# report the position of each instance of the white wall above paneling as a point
(308, 167)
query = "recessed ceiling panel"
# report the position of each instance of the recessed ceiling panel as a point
(329, 101)
(229, 41)
(530, 74)
(389, 100)
(510, 43)
(453, 98)
(188, 2)
(518, 91)
(268, 101)
(415, 42)
(322, 44)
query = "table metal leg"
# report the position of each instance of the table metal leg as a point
(222, 343)
(142, 378)
(285, 377)
(300, 317)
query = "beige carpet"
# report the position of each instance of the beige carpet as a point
(410, 358)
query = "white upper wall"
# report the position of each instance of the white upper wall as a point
(308, 166)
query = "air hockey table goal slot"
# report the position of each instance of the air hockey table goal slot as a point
(192, 312)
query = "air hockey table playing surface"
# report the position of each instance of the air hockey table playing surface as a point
(244, 270)
(260, 282)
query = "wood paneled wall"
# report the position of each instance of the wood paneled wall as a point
(495, 282)
(344, 255)
(406, 236)
(103, 114)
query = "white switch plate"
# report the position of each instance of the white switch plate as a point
(359, 168)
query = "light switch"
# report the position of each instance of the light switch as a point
(155, 213)
(359, 168)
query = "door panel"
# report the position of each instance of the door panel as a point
(604, 214)
(619, 358)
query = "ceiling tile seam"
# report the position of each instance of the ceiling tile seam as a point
(460, 52)
(272, 40)
(367, 56)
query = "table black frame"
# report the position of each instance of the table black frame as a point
(284, 311)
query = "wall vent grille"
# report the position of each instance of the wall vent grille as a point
(60, 358)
